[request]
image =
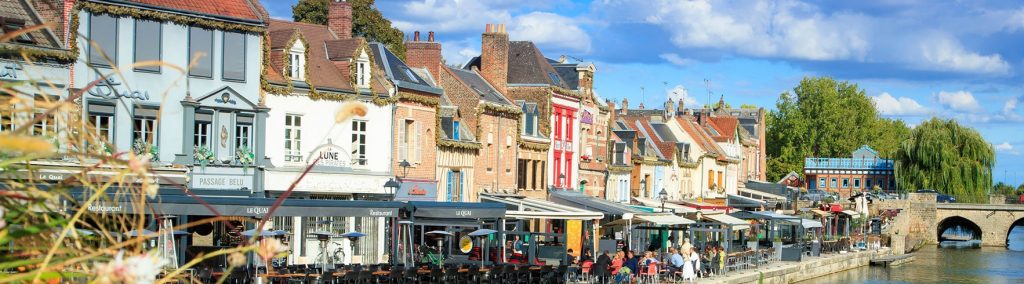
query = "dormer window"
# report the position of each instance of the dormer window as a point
(363, 70)
(529, 118)
(297, 62)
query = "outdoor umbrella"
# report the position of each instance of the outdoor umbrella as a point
(262, 233)
(353, 235)
(446, 233)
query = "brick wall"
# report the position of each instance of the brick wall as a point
(494, 57)
(339, 19)
(497, 164)
(424, 54)
(425, 117)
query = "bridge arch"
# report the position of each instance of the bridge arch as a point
(1015, 224)
(952, 223)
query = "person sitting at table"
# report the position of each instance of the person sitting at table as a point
(602, 266)
(715, 260)
(617, 261)
(517, 245)
(675, 261)
(632, 262)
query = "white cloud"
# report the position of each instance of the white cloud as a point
(550, 30)
(676, 59)
(1008, 148)
(449, 16)
(681, 94)
(902, 106)
(1015, 21)
(784, 28)
(947, 53)
(960, 101)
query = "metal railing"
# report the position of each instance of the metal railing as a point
(848, 163)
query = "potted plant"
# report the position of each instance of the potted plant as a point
(245, 157)
(143, 148)
(203, 156)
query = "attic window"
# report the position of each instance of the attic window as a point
(297, 62)
(363, 70)
(554, 78)
(13, 25)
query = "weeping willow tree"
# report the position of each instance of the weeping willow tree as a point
(948, 157)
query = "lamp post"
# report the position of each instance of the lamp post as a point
(643, 185)
(663, 196)
(393, 185)
(405, 167)
(561, 180)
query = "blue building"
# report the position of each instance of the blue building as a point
(863, 171)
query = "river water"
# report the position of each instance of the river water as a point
(937, 265)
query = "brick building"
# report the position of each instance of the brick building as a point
(863, 171)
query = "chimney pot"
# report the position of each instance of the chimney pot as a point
(430, 36)
(488, 28)
(416, 36)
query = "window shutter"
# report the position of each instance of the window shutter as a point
(451, 175)
(403, 147)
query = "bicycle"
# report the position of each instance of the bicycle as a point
(333, 257)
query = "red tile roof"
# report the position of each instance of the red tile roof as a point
(241, 9)
(323, 72)
(701, 136)
(726, 127)
(667, 149)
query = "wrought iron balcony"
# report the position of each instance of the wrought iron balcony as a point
(848, 163)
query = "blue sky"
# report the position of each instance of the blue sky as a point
(917, 59)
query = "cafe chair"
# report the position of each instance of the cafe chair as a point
(395, 274)
(649, 274)
(411, 276)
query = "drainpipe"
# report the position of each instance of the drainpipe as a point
(497, 162)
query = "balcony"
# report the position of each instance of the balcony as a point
(848, 164)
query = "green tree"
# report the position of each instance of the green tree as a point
(367, 22)
(948, 157)
(749, 106)
(1003, 188)
(825, 118)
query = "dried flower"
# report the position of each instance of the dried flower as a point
(25, 144)
(348, 110)
(270, 248)
(150, 189)
(236, 259)
(141, 269)
(139, 164)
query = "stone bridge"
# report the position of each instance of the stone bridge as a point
(921, 218)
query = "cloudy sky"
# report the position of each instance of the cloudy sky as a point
(917, 59)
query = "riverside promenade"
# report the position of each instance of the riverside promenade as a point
(808, 269)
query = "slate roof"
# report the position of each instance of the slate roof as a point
(22, 10)
(237, 9)
(323, 73)
(475, 82)
(398, 71)
(568, 74)
(642, 124)
(526, 65)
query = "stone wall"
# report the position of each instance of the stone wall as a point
(790, 272)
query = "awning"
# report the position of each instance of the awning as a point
(669, 206)
(255, 207)
(807, 224)
(820, 212)
(586, 202)
(741, 201)
(762, 194)
(850, 213)
(456, 210)
(519, 207)
(736, 223)
(659, 219)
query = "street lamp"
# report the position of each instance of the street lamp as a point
(643, 186)
(663, 196)
(561, 179)
(405, 167)
(393, 185)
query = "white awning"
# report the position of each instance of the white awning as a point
(529, 208)
(807, 224)
(668, 205)
(851, 213)
(737, 224)
(655, 218)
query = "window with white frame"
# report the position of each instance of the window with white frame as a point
(363, 71)
(243, 132)
(409, 148)
(144, 124)
(293, 138)
(359, 142)
(204, 126)
(101, 117)
(454, 186)
(296, 62)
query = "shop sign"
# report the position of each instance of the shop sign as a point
(204, 181)
(330, 156)
(419, 191)
(587, 117)
(10, 71)
(110, 88)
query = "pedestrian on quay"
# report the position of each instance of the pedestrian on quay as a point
(691, 264)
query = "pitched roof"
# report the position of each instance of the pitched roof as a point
(398, 71)
(568, 74)
(323, 73)
(701, 136)
(665, 145)
(726, 127)
(238, 9)
(23, 11)
(472, 80)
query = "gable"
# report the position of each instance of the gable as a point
(226, 98)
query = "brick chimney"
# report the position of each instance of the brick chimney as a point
(339, 18)
(494, 56)
(670, 108)
(424, 54)
(625, 107)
